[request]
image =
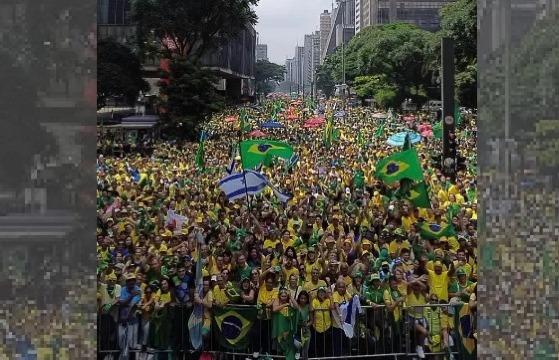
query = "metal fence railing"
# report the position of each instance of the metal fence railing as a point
(378, 333)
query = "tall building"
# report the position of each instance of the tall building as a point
(261, 52)
(298, 61)
(315, 52)
(358, 15)
(343, 27)
(423, 13)
(308, 63)
(325, 27)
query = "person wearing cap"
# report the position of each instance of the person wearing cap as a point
(384, 271)
(461, 262)
(321, 320)
(400, 242)
(461, 287)
(108, 294)
(438, 326)
(130, 296)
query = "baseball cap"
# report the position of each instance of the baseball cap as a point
(375, 277)
(461, 271)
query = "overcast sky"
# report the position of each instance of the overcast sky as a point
(283, 23)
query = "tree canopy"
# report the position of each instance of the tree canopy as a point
(189, 28)
(20, 132)
(188, 96)
(398, 52)
(119, 73)
(265, 73)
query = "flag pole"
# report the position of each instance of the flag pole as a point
(242, 167)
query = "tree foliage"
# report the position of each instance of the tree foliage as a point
(324, 80)
(459, 22)
(190, 28)
(119, 73)
(376, 87)
(188, 96)
(399, 52)
(20, 123)
(265, 74)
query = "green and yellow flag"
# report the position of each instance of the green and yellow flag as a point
(283, 329)
(255, 152)
(435, 231)
(464, 323)
(233, 325)
(419, 196)
(379, 131)
(328, 133)
(438, 130)
(398, 166)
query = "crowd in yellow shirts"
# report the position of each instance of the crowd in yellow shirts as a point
(331, 241)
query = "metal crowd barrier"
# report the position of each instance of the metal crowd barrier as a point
(376, 335)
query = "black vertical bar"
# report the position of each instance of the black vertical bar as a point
(447, 92)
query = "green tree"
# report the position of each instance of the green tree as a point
(188, 96)
(399, 52)
(265, 74)
(119, 73)
(21, 135)
(325, 81)
(459, 22)
(190, 28)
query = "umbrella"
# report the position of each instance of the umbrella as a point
(379, 116)
(339, 114)
(399, 138)
(271, 124)
(257, 134)
(409, 118)
(231, 119)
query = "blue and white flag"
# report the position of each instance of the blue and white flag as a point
(239, 185)
(196, 320)
(293, 160)
(348, 315)
(134, 173)
(282, 197)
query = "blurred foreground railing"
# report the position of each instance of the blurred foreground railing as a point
(378, 333)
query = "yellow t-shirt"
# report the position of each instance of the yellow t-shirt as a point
(395, 247)
(288, 272)
(268, 243)
(338, 299)
(388, 300)
(407, 222)
(265, 296)
(438, 284)
(413, 300)
(220, 296)
(312, 289)
(309, 268)
(322, 316)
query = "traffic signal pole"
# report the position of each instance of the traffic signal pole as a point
(448, 157)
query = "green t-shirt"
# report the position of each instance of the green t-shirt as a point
(375, 295)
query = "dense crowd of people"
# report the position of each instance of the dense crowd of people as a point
(334, 239)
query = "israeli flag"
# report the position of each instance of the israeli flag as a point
(282, 197)
(348, 315)
(293, 160)
(239, 185)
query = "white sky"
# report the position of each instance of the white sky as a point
(283, 23)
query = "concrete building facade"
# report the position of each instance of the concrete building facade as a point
(261, 52)
(325, 28)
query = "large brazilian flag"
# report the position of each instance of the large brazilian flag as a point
(255, 152)
(404, 164)
(435, 231)
(233, 326)
(464, 323)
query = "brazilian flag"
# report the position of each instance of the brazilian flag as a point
(435, 231)
(419, 196)
(398, 166)
(464, 323)
(379, 131)
(255, 152)
(233, 326)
